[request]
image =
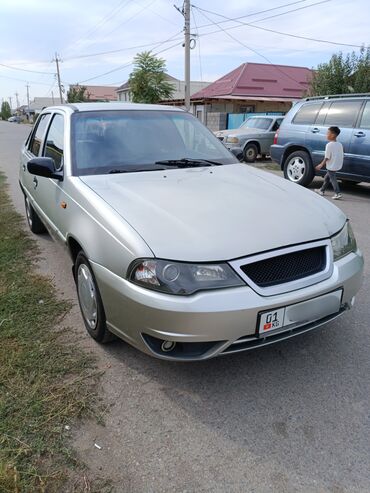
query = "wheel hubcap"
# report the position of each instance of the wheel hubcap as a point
(296, 169)
(87, 295)
(250, 153)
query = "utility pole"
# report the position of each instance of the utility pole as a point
(10, 101)
(57, 60)
(186, 12)
(16, 98)
(28, 99)
(52, 96)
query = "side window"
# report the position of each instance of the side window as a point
(276, 125)
(322, 114)
(38, 134)
(54, 142)
(343, 113)
(307, 113)
(365, 119)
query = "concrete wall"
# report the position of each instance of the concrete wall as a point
(216, 121)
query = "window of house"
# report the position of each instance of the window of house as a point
(343, 113)
(247, 109)
(307, 113)
(365, 119)
(54, 146)
(38, 134)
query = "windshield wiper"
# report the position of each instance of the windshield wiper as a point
(188, 163)
(132, 170)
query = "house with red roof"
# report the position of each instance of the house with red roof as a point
(251, 88)
(99, 93)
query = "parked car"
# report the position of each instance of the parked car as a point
(299, 145)
(178, 248)
(253, 137)
(14, 119)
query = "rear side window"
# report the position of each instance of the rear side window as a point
(343, 113)
(365, 119)
(307, 113)
(36, 140)
(322, 114)
(54, 146)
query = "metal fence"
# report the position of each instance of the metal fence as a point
(234, 120)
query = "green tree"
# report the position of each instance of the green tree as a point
(343, 74)
(77, 94)
(148, 82)
(5, 112)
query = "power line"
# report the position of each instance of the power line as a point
(121, 67)
(24, 69)
(102, 21)
(129, 19)
(306, 38)
(24, 80)
(198, 43)
(253, 50)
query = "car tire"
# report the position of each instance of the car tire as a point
(250, 153)
(298, 168)
(34, 222)
(90, 301)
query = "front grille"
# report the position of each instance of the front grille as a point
(286, 268)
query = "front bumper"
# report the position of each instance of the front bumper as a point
(220, 321)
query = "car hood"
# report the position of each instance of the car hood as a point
(216, 213)
(236, 132)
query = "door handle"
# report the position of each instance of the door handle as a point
(315, 130)
(359, 134)
(24, 167)
(35, 182)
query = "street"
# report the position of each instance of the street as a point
(292, 417)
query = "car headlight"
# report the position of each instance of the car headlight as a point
(182, 278)
(233, 140)
(344, 242)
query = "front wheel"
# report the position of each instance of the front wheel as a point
(250, 153)
(298, 168)
(34, 222)
(89, 299)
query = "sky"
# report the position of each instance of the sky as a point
(82, 31)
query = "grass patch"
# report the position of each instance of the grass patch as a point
(46, 382)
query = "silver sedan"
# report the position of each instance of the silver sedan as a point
(177, 248)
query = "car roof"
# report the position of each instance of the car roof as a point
(113, 107)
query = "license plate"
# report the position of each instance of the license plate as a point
(291, 316)
(271, 321)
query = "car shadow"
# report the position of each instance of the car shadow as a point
(286, 401)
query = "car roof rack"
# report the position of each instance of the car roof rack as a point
(338, 96)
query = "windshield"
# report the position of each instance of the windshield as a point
(260, 123)
(136, 140)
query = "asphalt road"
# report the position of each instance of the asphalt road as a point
(294, 417)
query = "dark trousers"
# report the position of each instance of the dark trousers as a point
(330, 177)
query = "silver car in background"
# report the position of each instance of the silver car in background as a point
(254, 137)
(176, 247)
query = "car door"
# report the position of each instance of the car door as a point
(50, 193)
(31, 150)
(343, 114)
(360, 144)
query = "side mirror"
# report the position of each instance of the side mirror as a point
(238, 153)
(44, 166)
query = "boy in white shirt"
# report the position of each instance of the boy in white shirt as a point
(333, 161)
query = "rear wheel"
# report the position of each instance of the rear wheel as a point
(298, 168)
(34, 222)
(89, 299)
(250, 153)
